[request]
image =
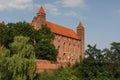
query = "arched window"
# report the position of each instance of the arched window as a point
(69, 47)
(58, 48)
(74, 48)
(64, 57)
(64, 46)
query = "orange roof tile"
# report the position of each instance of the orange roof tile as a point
(80, 25)
(55, 28)
(41, 10)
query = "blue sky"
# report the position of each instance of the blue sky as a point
(101, 18)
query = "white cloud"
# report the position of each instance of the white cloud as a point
(71, 13)
(74, 14)
(15, 4)
(52, 9)
(73, 3)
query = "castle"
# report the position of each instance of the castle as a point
(70, 44)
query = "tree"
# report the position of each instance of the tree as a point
(44, 47)
(20, 65)
(21, 29)
(93, 67)
(94, 53)
(4, 56)
(65, 74)
(3, 35)
(115, 59)
(115, 49)
(9, 31)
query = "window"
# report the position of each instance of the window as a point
(64, 47)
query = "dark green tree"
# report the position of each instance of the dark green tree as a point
(115, 59)
(93, 67)
(21, 29)
(3, 35)
(9, 31)
(115, 49)
(44, 47)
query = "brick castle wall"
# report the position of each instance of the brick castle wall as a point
(45, 65)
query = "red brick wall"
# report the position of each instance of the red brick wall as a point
(43, 65)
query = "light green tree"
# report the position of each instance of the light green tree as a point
(4, 56)
(20, 65)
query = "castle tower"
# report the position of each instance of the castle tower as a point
(80, 33)
(39, 19)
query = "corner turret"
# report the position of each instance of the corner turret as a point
(80, 33)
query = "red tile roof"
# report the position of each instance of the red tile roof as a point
(55, 28)
(41, 10)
